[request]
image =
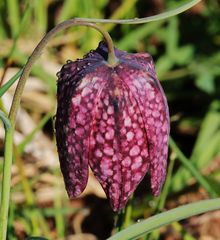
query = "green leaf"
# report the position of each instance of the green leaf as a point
(121, 11)
(206, 147)
(131, 39)
(139, 229)
(209, 127)
(163, 64)
(205, 81)
(10, 82)
(13, 16)
(41, 14)
(31, 135)
(184, 54)
(190, 170)
(172, 37)
(68, 10)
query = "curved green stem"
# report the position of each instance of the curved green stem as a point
(157, 17)
(159, 220)
(112, 60)
(6, 178)
(128, 213)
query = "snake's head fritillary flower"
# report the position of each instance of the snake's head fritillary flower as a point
(115, 120)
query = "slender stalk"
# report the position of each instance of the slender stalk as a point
(128, 213)
(166, 186)
(162, 219)
(6, 178)
(157, 17)
(112, 60)
(119, 221)
(123, 218)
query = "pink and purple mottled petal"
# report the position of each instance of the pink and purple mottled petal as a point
(76, 94)
(119, 157)
(153, 105)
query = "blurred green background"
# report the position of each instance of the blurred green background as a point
(186, 52)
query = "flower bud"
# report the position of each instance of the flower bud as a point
(114, 119)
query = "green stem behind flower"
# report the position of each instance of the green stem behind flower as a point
(161, 16)
(6, 178)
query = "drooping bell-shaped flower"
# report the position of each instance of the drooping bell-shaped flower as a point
(115, 120)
